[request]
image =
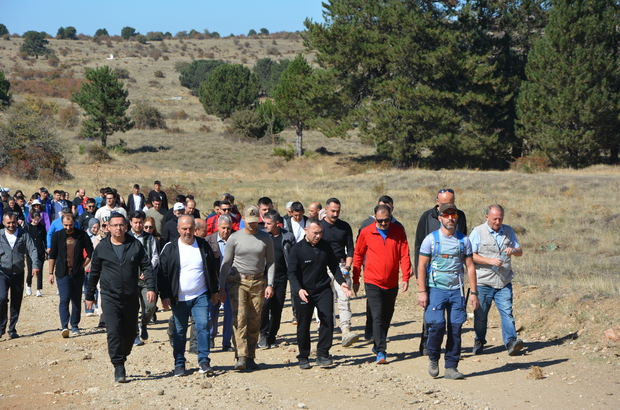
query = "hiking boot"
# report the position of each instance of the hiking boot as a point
(304, 364)
(251, 364)
(241, 364)
(453, 373)
(205, 368)
(478, 347)
(381, 358)
(433, 368)
(348, 337)
(119, 374)
(64, 333)
(324, 361)
(179, 370)
(513, 346)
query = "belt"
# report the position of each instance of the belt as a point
(252, 277)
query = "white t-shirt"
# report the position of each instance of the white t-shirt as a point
(11, 237)
(192, 281)
(298, 229)
(57, 209)
(136, 202)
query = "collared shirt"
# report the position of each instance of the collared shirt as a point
(222, 245)
(474, 237)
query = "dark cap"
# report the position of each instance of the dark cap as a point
(444, 207)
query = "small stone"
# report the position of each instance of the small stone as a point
(53, 362)
(160, 393)
(87, 356)
(302, 406)
(147, 372)
(611, 334)
(206, 385)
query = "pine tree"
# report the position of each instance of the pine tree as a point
(105, 102)
(569, 108)
(228, 88)
(5, 96)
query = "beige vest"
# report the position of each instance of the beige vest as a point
(488, 248)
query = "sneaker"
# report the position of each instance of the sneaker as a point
(101, 324)
(478, 347)
(367, 336)
(304, 364)
(28, 291)
(13, 336)
(39, 294)
(241, 364)
(294, 321)
(144, 334)
(252, 365)
(64, 333)
(348, 338)
(324, 361)
(138, 341)
(228, 349)
(154, 318)
(179, 370)
(262, 342)
(205, 368)
(119, 374)
(433, 368)
(381, 358)
(453, 373)
(513, 346)
(90, 313)
(75, 331)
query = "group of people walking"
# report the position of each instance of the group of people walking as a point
(112, 250)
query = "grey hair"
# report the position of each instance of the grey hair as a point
(224, 218)
(187, 217)
(495, 206)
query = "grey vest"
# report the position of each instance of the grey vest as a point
(488, 248)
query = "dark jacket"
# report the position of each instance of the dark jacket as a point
(12, 259)
(287, 222)
(170, 270)
(38, 235)
(131, 206)
(119, 279)
(215, 247)
(429, 222)
(170, 231)
(83, 220)
(58, 252)
(307, 269)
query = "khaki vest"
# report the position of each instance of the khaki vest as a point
(488, 248)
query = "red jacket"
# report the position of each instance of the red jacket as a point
(212, 224)
(383, 257)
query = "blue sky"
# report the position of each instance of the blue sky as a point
(225, 17)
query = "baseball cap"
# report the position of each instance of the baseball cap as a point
(444, 207)
(178, 206)
(36, 202)
(250, 214)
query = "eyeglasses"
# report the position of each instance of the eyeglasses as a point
(383, 221)
(148, 227)
(453, 216)
(441, 191)
(226, 209)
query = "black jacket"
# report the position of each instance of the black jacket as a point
(58, 252)
(429, 222)
(170, 269)
(287, 222)
(131, 206)
(119, 279)
(39, 237)
(307, 267)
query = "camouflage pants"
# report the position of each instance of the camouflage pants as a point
(247, 297)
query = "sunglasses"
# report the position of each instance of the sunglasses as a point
(383, 221)
(441, 191)
(148, 227)
(226, 209)
(454, 216)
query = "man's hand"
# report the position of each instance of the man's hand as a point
(347, 291)
(404, 286)
(151, 296)
(142, 276)
(268, 292)
(89, 304)
(496, 262)
(165, 303)
(475, 302)
(303, 295)
(215, 299)
(222, 295)
(35, 272)
(51, 279)
(423, 299)
(356, 288)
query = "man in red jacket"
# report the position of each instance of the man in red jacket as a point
(384, 246)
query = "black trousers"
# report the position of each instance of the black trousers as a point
(39, 276)
(324, 303)
(381, 303)
(14, 283)
(121, 319)
(271, 315)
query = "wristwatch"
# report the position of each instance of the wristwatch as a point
(475, 293)
(269, 284)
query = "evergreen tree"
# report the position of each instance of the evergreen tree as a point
(269, 72)
(105, 102)
(569, 108)
(128, 32)
(35, 44)
(5, 96)
(196, 72)
(102, 32)
(3, 30)
(228, 88)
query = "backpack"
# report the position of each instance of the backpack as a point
(436, 247)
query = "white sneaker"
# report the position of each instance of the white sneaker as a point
(28, 291)
(39, 294)
(57, 292)
(65, 333)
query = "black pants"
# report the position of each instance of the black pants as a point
(121, 319)
(39, 276)
(14, 283)
(271, 315)
(381, 303)
(324, 303)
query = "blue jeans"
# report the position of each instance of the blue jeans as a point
(70, 291)
(445, 307)
(227, 323)
(199, 309)
(503, 302)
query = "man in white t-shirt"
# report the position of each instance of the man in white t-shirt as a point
(188, 282)
(103, 213)
(296, 223)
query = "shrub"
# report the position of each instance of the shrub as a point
(128, 32)
(531, 164)
(287, 153)
(159, 74)
(179, 115)
(229, 88)
(179, 66)
(98, 153)
(155, 36)
(147, 117)
(196, 72)
(120, 148)
(175, 130)
(204, 128)
(121, 72)
(273, 51)
(141, 39)
(248, 123)
(69, 117)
